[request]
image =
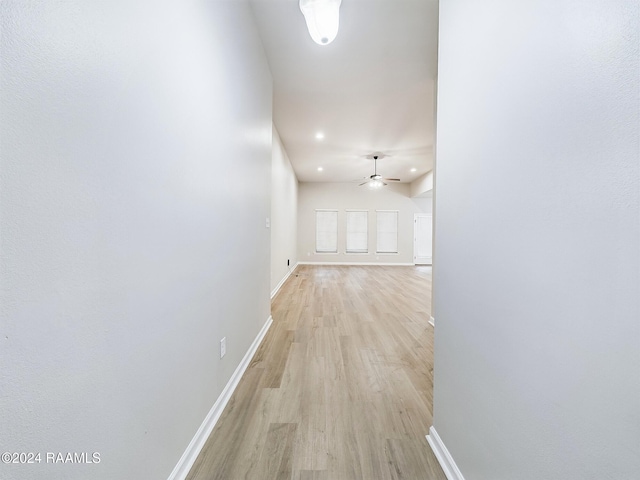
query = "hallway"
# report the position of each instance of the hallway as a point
(341, 387)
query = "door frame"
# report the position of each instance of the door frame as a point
(428, 260)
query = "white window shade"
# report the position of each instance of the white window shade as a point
(327, 231)
(357, 231)
(387, 231)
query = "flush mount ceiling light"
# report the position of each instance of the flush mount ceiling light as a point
(323, 19)
(320, 169)
(319, 136)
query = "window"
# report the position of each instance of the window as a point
(357, 231)
(387, 229)
(326, 231)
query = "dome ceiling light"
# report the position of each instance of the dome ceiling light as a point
(323, 19)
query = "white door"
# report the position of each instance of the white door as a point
(422, 239)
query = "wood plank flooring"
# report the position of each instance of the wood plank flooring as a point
(341, 387)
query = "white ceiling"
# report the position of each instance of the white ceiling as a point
(371, 90)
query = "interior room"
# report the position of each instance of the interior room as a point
(234, 244)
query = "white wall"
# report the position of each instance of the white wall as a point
(284, 214)
(423, 185)
(537, 278)
(343, 196)
(136, 140)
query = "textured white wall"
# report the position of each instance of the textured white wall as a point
(284, 213)
(344, 196)
(536, 279)
(136, 140)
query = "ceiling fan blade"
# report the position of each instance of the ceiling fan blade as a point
(392, 179)
(363, 183)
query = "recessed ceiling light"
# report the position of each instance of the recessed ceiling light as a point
(319, 136)
(413, 169)
(320, 169)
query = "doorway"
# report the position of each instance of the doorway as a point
(422, 239)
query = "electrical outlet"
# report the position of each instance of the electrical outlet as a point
(223, 347)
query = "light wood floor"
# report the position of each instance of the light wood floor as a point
(341, 387)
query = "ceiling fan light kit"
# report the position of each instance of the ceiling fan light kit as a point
(323, 19)
(376, 181)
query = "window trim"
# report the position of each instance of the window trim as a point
(325, 252)
(378, 251)
(346, 236)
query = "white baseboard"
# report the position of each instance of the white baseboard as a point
(445, 459)
(432, 321)
(359, 264)
(277, 289)
(188, 458)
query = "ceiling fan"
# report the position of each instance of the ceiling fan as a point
(376, 180)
